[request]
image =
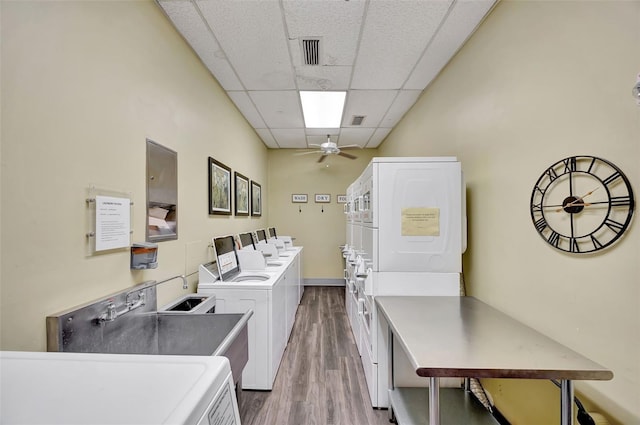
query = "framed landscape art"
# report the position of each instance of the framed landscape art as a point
(219, 188)
(256, 199)
(242, 194)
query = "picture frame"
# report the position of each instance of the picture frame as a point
(323, 198)
(299, 198)
(256, 199)
(219, 188)
(241, 185)
(341, 199)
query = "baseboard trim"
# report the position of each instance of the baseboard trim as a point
(323, 282)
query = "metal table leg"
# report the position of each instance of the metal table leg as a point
(434, 400)
(566, 402)
(391, 384)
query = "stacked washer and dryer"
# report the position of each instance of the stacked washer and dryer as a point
(406, 232)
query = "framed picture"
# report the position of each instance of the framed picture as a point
(299, 198)
(219, 188)
(256, 199)
(323, 198)
(341, 199)
(242, 193)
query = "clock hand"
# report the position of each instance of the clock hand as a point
(584, 204)
(575, 201)
(589, 193)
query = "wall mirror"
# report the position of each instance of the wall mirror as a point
(162, 193)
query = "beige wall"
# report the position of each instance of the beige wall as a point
(540, 81)
(83, 84)
(321, 233)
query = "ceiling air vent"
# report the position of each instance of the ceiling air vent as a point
(311, 51)
(357, 119)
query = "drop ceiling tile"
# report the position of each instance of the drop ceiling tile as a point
(337, 23)
(334, 132)
(323, 77)
(402, 103)
(258, 47)
(247, 108)
(393, 39)
(355, 136)
(188, 22)
(279, 109)
(290, 138)
(460, 24)
(378, 136)
(373, 104)
(267, 138)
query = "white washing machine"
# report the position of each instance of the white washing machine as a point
(83, 388)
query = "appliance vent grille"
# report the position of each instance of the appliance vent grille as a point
(311, 51)
(357, 119)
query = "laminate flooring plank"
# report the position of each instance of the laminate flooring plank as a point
(320, 380)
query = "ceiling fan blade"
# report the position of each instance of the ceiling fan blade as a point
(346, 155)
(347, 147)
(306, 153)
(322, 158)
(313, 144)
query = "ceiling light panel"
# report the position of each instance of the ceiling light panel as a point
(247, 108)
(371, 103)
(279, 109)
(401, 104)
(259, 50)
(322, 109)
(290, 138)
(461, 22)
(188, 22)
(392, 40)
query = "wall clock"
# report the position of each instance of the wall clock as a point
(582, 204)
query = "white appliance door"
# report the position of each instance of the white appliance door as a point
(419, 216)
(370, 247)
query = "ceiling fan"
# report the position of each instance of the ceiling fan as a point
(331, 148)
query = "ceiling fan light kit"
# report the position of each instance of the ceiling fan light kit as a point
(331, 148)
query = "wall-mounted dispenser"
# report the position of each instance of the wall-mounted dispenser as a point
(144, 255)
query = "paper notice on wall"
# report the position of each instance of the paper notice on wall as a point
(421, 222)
(113, 222)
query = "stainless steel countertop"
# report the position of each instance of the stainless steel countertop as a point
(464, 337)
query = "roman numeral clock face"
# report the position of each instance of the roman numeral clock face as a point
(582, 204)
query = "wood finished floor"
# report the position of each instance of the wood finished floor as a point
(320, 380)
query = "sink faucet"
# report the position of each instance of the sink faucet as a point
(113, 313)
(132, 303)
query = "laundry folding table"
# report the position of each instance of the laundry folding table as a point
(465, 338)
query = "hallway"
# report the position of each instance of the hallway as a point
(320, 380)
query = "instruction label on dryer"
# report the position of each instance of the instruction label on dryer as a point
(223, 411)
(421, 221)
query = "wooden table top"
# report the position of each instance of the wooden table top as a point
(464, 337)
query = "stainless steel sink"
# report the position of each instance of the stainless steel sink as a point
(206, 335)
(144, 330)
(191, 303)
